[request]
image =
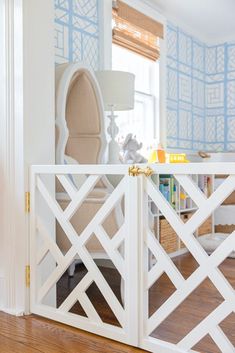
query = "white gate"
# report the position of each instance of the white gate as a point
(134, 249)
(49, 262)
(207, 266)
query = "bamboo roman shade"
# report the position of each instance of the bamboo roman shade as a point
(136, 31)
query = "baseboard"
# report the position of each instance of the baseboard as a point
(3, 301)
(2, 293)
(14, 312)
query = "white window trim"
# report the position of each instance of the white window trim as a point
(147, 96)
(105, 11)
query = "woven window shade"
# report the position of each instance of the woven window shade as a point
(136, 31)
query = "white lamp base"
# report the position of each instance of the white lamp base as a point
(114, 149)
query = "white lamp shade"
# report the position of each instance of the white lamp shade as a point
(117, 88)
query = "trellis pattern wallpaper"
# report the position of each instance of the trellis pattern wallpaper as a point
(220, 97)
(200, 79)
(77, 31)
(200, 94)
(185, 91)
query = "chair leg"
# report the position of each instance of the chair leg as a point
(71, 269)
(122, 290)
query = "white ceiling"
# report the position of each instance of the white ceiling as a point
(212, 21)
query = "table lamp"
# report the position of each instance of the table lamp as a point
(118, 91)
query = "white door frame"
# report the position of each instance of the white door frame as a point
(12, 235)
(26, 130)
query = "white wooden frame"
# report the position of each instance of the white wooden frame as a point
(127, 188)
(208, 265)
(139, 238)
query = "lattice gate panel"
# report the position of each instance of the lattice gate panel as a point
(154, 336)
(50, 261)
(63, 196)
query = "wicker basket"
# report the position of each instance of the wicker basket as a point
(206, 227)
(225, 228)
(168, 237)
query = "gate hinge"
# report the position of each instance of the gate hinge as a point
(27, 202)
(135, 170)
(27, 276)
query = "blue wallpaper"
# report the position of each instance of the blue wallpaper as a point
(185, 90)
(201, 93)
(220, 97)
(77, 31)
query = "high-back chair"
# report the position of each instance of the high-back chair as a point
(81, 140)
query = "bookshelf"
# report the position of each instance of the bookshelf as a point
(183, 206)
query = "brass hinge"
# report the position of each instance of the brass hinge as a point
(27, 276)
(27, 202)
(134, 171)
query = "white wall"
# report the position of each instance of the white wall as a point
(39, 124)
(26, 130)
(39, 93)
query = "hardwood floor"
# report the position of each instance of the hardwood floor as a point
(190, 313)
(195, 308)
(32, 334)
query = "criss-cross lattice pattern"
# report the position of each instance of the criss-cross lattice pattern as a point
(208, 265)
(43, 244)
(135, 236)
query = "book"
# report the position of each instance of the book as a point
(168, 188)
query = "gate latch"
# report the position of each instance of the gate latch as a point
(134, 171)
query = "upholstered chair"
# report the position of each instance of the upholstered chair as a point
(80, 139)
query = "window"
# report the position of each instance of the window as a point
(135, 31)
(143, 121)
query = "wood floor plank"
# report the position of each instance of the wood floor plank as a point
(179, 323)
(32, 334)
(8, 345)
